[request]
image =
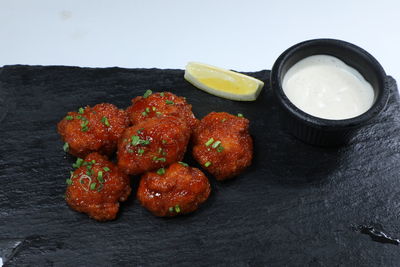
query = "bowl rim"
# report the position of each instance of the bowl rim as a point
(329, 124)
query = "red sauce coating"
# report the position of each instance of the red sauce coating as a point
(230, 148)
(179, 190)
(90, 132)
(99, 198)
(152, 144)
(161, 104)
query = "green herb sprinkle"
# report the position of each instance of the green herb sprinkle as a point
(209, 142)
(161, 171)
(66, 147)
(147, 93)
(183, 163)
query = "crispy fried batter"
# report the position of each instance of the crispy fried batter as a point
(161, 104)
(152, 144)
(223, 145)
(181, 189)
(96, 187)
(94, 129)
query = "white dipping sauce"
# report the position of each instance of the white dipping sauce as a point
(325, 87)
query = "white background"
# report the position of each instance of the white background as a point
(240, 35)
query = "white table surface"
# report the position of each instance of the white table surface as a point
(240, 35)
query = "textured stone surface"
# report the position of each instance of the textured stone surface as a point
(296, 205)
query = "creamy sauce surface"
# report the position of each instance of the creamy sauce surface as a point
(326, 87)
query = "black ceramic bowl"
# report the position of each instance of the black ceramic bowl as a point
(325, 132)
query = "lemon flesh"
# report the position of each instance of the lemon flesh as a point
(223, 83)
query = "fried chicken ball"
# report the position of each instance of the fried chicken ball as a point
(223, 145)
(96, 186)
(94, 129)
(160, 104)
(152, 144)
(177, 190)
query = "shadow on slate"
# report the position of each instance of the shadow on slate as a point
(296, 205)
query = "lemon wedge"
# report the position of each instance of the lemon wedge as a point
(223, 83)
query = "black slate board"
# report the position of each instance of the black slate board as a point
(297, 205)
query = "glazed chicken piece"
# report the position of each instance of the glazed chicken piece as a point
(94, 129)
(96, 187)
(176, 190)
(222, 144)
(152, 144)
(161, 104)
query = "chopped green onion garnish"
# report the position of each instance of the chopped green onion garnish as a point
(78, 163)
(154, 108)
(159, 150)
(100, 187)
(220, 149)
(183, 163)
(162, 94)
(159, 113)
(78, 117)
(145, 142)
(140, 151)
(130, 151)
(209, 142)
(89, 169)
(81, 111)
(171, 209)
(240, 115)
(207, 164)
(223, 120)
(106, 169)
(68, 181)
(140, 130)
(164, 142)
(93, 186)
(147, 110)
(161, 171)
(93, 161)
(177, 209)
(66, 147)
(84, 123)
(144, 113)
(169, 102)
(159, 159)
(100, 177)
(135, 140)
(104, 120)
(147, 94)
(69, 118)
(216, 144)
